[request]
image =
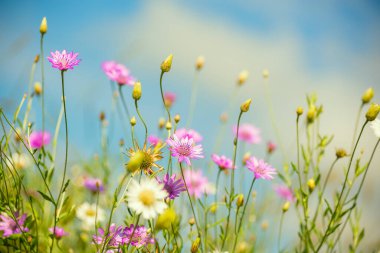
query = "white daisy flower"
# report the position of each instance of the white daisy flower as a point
(146, 198)
(19, 161)
(375, 125)
(87, 212)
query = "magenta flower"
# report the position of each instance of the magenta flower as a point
(59, 232)
(222, 162)
(184, 149)
(118, 73)
(114, 236)
(154, 140)
(285, 192)
(11, 226)
(248, 133)
(271, 147)
(197, 184)
(189, 133)
(39, 139)
(172, 185)
(260, 168)
(93, 184)
(63, 61)
(169, 98)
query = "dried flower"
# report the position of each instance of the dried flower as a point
(340, 153)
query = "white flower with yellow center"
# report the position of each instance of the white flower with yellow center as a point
(146, 198)
(87, 213)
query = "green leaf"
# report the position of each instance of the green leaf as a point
(46, 197)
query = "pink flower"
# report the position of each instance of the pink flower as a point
(260, 168)
(197, 184)
(39, 139)
(154, 140)
(169, 98)
(222, 162)
(184, 149)
(285, 192)
(189, 133)
(271, 147)
(248, 133)
(63, 61)
(59, 232)
(93, 184)
(12, 226)
(118, 73)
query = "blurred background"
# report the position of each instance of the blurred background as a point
(331, 48)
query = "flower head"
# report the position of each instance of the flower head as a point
(248, 133)
(169, 98)
(114, 236)
(146, 198)
(189, 133)
(154, 140)
(285, 192)
(93, 184)
(118, 73)
(141, 236)
(39, 139)
(59, 232)
(19, 161)
(375, 125)
(197, 184)
(63, 61)
(184, 149)
(271, 147)
(87, 213)
(147, 158)
(260, 168)
(222, 162)
(12, 225)
(172, 185)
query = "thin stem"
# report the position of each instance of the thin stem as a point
(162, 96)
(96, 216)
(215, 201)
(42, 81)
(280, 232)
(143, 121)
(344, 186)
(356, 126)
(134, 230)
(193, 99)
(123, 102)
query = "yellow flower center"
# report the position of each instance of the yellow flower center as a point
(147, 197)
(90, 212)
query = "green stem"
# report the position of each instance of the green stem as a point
(134, 230)
(143, 121)
(162, 96)
(215, 201)
(280, 232)
(42, 83)
(356, 126)
(124, 102)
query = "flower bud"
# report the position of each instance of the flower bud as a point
(311, 114)
(37, 58)
(372, 112)
(367, 95)
(161, 123)
(213, 208)
(299, 111)
(246, 156)
(135, 161)
(199, 63)
(242, 78)
(286, 206)
(191, 221)
(37, 88)
(240, 200)
(195, 245)
(245, 106)
(224, 117)
(167, 64)
(133, 121)
(102, 116)
(340, 153)
(311, 184)
(264, 225)
(43, 26)
(166, 219)
(121, 142)
(265, 74)
(136, 93)
(177, 118)
(168, 125)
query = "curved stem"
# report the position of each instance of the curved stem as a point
(124, 103)
(143, 121)
(163, 99)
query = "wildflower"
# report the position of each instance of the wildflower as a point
(39, 139)
(118, 73)
(340, 153)
(286, 206)
(184, 149)
(154, 140)
(372, 112)
(261, 169)
(242, 78)
(245, 106)
(114, 237)
(199, 63)
(43, 26)
(222, 162)
(167, 64)
(172, 186)
(87, 213)
(11, 226)
(63, 61)
(59, 232)
(169, 98)
(271, 147)
(146, 198)
(19, 161)
(141, 236)
(248, 133)
(299, 111)
(285, 192)
(189, 133)
(136, 93)
(144, 158)
(197, 184)
(166, 219)
(93, 184)
(375, 125)
(367, 96)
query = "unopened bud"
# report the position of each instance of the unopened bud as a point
(161, 123)
(265, 74)
(367, 95)
(102, 116)
(136, 93)
(340, 153)
(37, 88)
(242, 78)
(191, 221)
(168, 125)
(246, 157)
(135, 161)
(299, 110)
(240, 200)
(37, 58)
(133, 121)
(177, 118)
(224, 117)
(195, 245)
(167, 64)
(311, 114)
(264, 225)
(311, 184)
(213, 208)
(43, 26)
(199, 63)
(121, 142)
(372, 112)
(245, 106)
(286, 206)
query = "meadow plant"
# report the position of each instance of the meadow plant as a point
(161, 202)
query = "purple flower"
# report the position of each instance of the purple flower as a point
(248, 133)
(93, 184)
(154, 140)
(197, 184)
(59, 232)
(222, 162)
(114, 237)
(189, 133)
(184, 149)
(12, 226)
(285, 192)
(63, 61)
(169, 98)
(260, 168)
(118, 73)
(172, 185)
(39, 139)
